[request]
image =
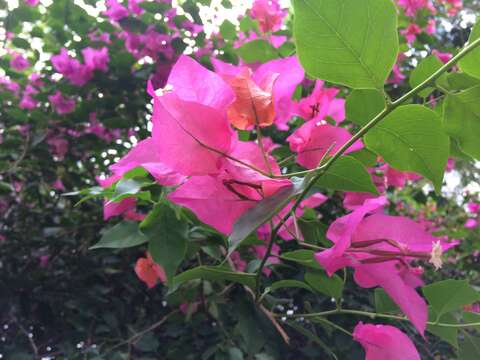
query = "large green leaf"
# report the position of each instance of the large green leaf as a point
(469, 347)
(263, 212)
(348, 42)
(123, 235)
(384, 303)
(447, 333)
(424, 69)
(214, 273)
(167, 237)
(471, 63)
(363, 105)
(461, 119)
(347, 174)
(328, 285)
(411, 139)
(448, 295)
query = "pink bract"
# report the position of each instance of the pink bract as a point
(382, 342)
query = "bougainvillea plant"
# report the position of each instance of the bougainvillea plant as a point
(272, 165)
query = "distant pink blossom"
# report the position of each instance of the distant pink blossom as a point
(442, 56)
(311, 141)
(471, 224)
(96, 59)
(32, 2)
(411, 32)
(431, 27)
(58, 146)
(473, 207)
(269, 14)
(115, 11)
(149, 272)
(58, 185)
(28, 102)
(62, 105)
(19, 63)
(321, 103)
(382, 342)
(411, 7)
(44, 259)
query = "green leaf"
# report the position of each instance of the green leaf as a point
(363, 105)
(469, 347)
(347, 174)
(461, 119)
(21, 43)
(126, 188)
(383, 302)
(228, 30)
(303, 257)
(257, 50)
(322, 283)
(348, 42)
(472, 318)
(167, 237)
(411, 139)
(449, 334)
(312, 229)
(366, 157)
(448, 295)
(469, 63)
(457, 81)
(424, 69)
(262, 212)
(133, 25)
(214, 273)
(123, 235)
(290, 284)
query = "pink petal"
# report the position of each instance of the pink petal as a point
(190, 137)
(382, 342)
(192, 82)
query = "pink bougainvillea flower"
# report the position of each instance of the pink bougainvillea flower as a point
(452, 6)
(58, 146)
(64, 63)
(32, 2)
(143, 155)
(431, 27)
(61, 104)
(189, 307)
(77, 73)
(28, 103)
(18, 62)
(450, 165)
(115, 11)
(290, 75)
(321, 103)
(149, 272)
(411, 32)
(111, 208)
(134, 8)
(190, 137)
(269, 15)
(380, 248)
(96, 59)
(471, 224)
(261, 250)
(473, 207)
(58, 185)
(412, 6)
(313, 139)
(220, 200)
(442, 56)
(253, 105)
(398, 178)
(397, 76)
(475, 307)
(238, 262)
(192, 82)
(382, 342)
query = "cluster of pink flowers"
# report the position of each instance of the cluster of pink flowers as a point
(474, 209)
(269, 15)
(77, 73)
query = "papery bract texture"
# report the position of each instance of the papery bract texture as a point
(385, 342)
(313, 139)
